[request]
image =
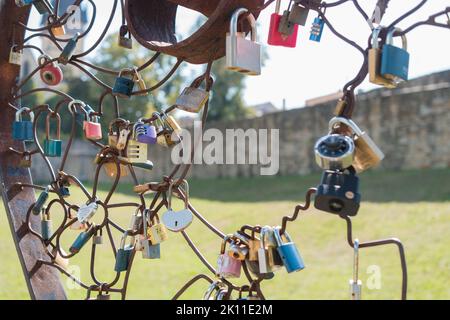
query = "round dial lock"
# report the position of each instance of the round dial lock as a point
(334, 152)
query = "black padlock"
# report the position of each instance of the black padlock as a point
(338, 192)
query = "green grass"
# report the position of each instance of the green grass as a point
(411, 205)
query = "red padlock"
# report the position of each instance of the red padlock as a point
(276, 38)
(92, 128)
(51, 73)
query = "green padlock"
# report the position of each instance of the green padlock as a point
(53, 147)
(40, 202)
(124, 254)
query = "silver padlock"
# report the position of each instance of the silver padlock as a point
(298, 14)
(177, 221)
(15, 56)
(243, 55)
(367, 153)
(262, 253)
(87, 211)
(355, 283)
(136, 220)
(98, 237)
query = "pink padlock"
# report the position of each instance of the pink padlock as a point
(227, 266)
(51, 74)
(92, 128)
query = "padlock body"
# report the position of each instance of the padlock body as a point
(253, 267)
(355, 289)
(394, 63)
(157, 233)
(64, 192)
(338, 193)
(291, 257)
(317, 29)
(23, 131)
(67, 52)
(177, 221)
(52, 148)
(46, 229)
(40, 202)
(192, 99)
(374, 70)
(80, 241)
(146, 134)
(123, 258)
(298, 15)
(367, 153)
(228, 267)
(253, 246)
(15, 57)
(59, 31)
(151, 251)
(125, 42)
(243, 55)
(123, 87)
(92, 130)
(276, 38)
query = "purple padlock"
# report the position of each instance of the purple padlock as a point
(145, 133)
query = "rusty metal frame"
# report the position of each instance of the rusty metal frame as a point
(36, 254)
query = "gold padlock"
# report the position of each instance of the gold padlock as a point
(140, 82)
(375, 62)
(115, 127)
(253, 245)
(156, 232)
(111, 169)
(25, 161)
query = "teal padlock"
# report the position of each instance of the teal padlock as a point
(124, 85)
(124, 254)
(395, 60)
(68, 50)
(41, 201)
(23, 129)
(53, 147)
(82, 239)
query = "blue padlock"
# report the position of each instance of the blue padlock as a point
(82, 239)
(123, 254)
(41, 201)
(289, 253)
(317, 29)
(53, 147)
(68, 50)
(395, 60)
(23, 130)
(124, 85)
(145, 133)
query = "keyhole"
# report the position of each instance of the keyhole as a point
(176, 223)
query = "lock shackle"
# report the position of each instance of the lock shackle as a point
(278, 7)
(118, 122)
(186, 195)
(58, 125)
(224, 243)
(250, 18)
(24, 110)
(73, 106)
(124, 239)
(159, 119)
(390, 37)
(199, 80)
(278, 238)
(375, 37)
(124, 30)
(127, 71)
(15, 48)
(216, 285)
(348, 122)
(136, 75)
(45, 59)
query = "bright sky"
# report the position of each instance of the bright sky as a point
(314, 69)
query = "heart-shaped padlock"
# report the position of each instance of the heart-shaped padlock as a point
(87, 211)
(177, 221)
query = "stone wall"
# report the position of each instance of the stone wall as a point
(411, 124)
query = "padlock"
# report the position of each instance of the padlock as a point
(395, 60)
(140, 82)
(92, 128)
(69, 49)
(125, 40)
(82, 239)
(289, 253)
(111, 169)
(157, 232)
(53, 147)
(124, 254)
(375, 62)
(227, 266)
(50, 73)
(214, 287)
(273, 257)
(334, 152)
(355, 283)
(98, 237)
(46, 225)
(80, 109)
(243, 55)
(338, 192)
(57, 29)
(285, 27)
(124, 85)
(63, 191)
(15, 56)
(221, 294)
(253, 267)
(262, 253)
(123, 139)
(115, 127)
(137, 152)
(367, 153)
(276, 38)
(177, 221)
(172, 130)
(23, 129)
(238, 251)
(103, 293)
(145, 133)
(87, 211)
(136, 220)
(193, 98)
(41, 201)
(253, 245)
(317, 29)
(25, 161)
(150, 249)
(298, 14)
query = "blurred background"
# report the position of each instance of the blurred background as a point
(407, 197)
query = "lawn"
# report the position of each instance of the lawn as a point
(411, 205)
